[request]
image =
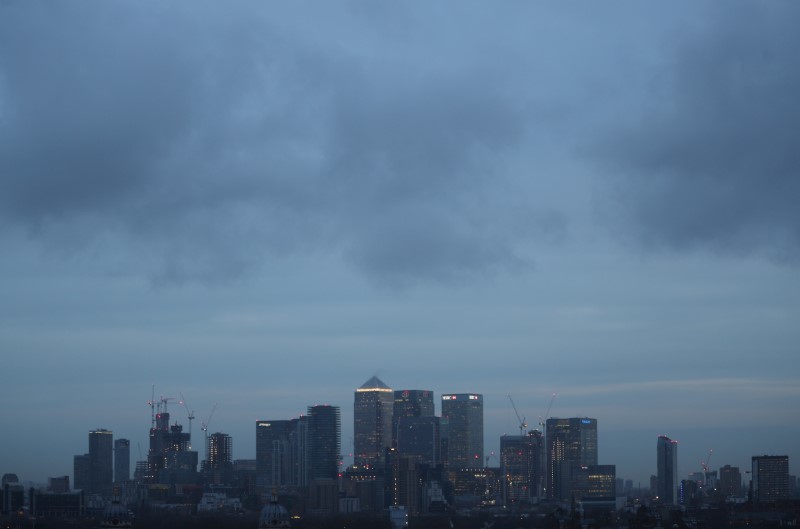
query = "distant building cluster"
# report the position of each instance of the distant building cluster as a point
(406, 460)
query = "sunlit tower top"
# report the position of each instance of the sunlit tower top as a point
(372, 422)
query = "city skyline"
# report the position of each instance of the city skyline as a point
(639, 473)
(261, 206)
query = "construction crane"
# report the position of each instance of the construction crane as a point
(543, 420)
(522, 423)
(190, 416)
(204, 424)
(705, 467)
(152, 404)
(162, 405)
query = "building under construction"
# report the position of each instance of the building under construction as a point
(170, 458)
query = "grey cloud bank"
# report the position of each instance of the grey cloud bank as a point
(182, 130)
(214, 198)
(712, 160)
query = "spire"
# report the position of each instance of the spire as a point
(373, 384)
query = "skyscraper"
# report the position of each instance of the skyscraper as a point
(101, 461)
(122, 460)
(324, 444)
(372, 422)
(411, 403)
(770, 478)
(419, 437)
(464, 414)
(667, 463)
(571, 443)
(272, 447)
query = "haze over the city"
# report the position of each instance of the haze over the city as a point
(262, 205)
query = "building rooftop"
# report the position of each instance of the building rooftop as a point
(374, 383)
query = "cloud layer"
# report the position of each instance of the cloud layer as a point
(207, 141)
(713, 158)
(213, 139)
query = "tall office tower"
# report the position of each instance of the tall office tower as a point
(730, 482)
(80, 472)
(218, 465)
(464, 413)
(570, 443)
(372, 422)
(667, 478)
(419, 437)
(411, 403)
(324, 442)
(770, 479)
(272, 453)
(101, 461)
(122, 460)
(298, 451)
(521, 467)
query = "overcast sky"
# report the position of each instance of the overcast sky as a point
(263, 204)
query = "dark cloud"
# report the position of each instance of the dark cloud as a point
(212, 138)
(714, 159)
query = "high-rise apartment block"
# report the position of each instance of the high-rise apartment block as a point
(324, 442)
(218, 465)
(571, 443)
(122, 460)
(464, 415)
(101, 461)
(667, 465)
(372, 422)
(770, 479)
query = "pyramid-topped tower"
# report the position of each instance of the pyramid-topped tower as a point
(372, 422)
